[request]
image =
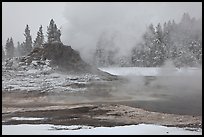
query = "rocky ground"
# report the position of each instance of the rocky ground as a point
(91, 109)
(93, 114)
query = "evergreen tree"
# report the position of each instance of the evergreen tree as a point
(27, 46)
(160, 47)
(143, 55)
(9, 48)
(18, 49)
(100, 54)
(159, 32)
(99, 57)
(39, 39)
(186, 19)
(21, 49)
(3, 54)
(138, 57)
(180, 42)
(106, 51)
(53, 32)
(57, 34)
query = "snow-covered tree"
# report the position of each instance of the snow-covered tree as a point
(18, 50)
(57, 34)
(3, 54)
(39, 39)
(27, 46)
(105, 54)
(148, 47)
(140, 56)
(123, 61)
(151, 51)
(9, 48)
(181, 42)
(50, 31)
(53, 32)
(160, 47)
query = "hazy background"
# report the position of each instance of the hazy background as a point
(83, 23)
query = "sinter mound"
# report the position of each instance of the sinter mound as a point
(65, 59)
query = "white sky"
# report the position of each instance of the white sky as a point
(82, 23)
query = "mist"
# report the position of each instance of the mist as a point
(86, 22)
(170, 81)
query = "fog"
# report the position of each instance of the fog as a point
(126, 21)
(183, 83)
(173, 90)
(83, 23)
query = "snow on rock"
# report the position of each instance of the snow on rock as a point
(39, 75)
(141, 129)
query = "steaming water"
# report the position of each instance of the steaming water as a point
(165, 89)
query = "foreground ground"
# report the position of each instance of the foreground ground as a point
(91, 114)
(173, 101)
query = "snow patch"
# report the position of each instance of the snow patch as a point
(26, 118)
(125, 71)
(148, 71)
(141, 129)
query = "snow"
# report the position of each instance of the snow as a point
(147, 71)
(39, 76)
(124, 71)
(34, 80)
(26, 118)
(42, 78)
(141, 129)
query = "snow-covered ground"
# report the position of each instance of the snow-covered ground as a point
(141, 129)
(41, 78)
(148, 71)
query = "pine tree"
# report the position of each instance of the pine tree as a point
(39, 39)
(28, 42)
(137, 57)
(143, 55)
(106, 50)
(58, 35)
(99, 56)
(186, 19)
(3, 54)
(53, 32)
(21, 49)
(181, 42)
(159, 32)
(9, 48)
(18, 49)
(160, 47)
